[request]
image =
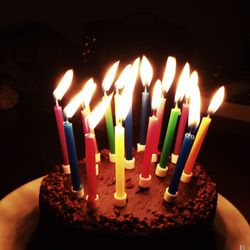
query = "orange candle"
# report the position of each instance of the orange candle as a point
(213, 106)
(197, 144)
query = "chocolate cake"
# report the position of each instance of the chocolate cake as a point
(146, 221)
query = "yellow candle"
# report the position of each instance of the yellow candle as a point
(197, 144)
(120, 194)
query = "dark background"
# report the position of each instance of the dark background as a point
(39, 40)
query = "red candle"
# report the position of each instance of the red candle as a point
(61, 133)
(90, 166)
(150, 139)
(181, 128)
(150, 146)
(58, 94)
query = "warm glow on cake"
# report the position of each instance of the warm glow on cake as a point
(63, 85)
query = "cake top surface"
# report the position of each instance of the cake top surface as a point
(145, 208)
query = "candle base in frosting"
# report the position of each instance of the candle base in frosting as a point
(94, 204)
(111, 157)
(174, 158)
(78, 193)
(66, 169)
(170, 198)
(186, 178)
(144, 182)
(129, 164)
(154, 158)
(96, 169)
(140, 147)
(161, 172)
(120, 201)
(97, 157)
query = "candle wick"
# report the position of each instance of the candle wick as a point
(208, 115)
(57, 104)
(145, 88)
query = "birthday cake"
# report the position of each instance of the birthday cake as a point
(145, 222)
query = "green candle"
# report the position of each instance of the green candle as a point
(175, 112)
(110, 128)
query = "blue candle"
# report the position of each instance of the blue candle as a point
(144, 117)
(184, 152)
(74, 169)
(129, 135)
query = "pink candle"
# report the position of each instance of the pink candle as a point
(90, 166)
(61, 133)
(181, 128)
(159, 115)
(150, 146)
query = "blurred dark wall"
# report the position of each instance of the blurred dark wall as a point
(220, 31)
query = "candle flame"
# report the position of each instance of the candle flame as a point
(74, 104)
(123, 77)
(156, 99)
(88, 91)
(63, 85)
(193, 80)
(216, 100)
(124, 102)
(194, 109)
(110, 76)
(96, 115)
(182, 83)
(169, 74)
(146, 71)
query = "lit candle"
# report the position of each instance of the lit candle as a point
(161, 169)
(58, 94)
(167, 81)
(93, 119)
(69, 111)
(88, 91)
(193, 122)
(106, 84)
(193, 79)
(205, 122)
(120, 196)
(145, 176)
(146, 73)
(129, 87)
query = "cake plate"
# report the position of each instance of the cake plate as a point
(19, 214)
